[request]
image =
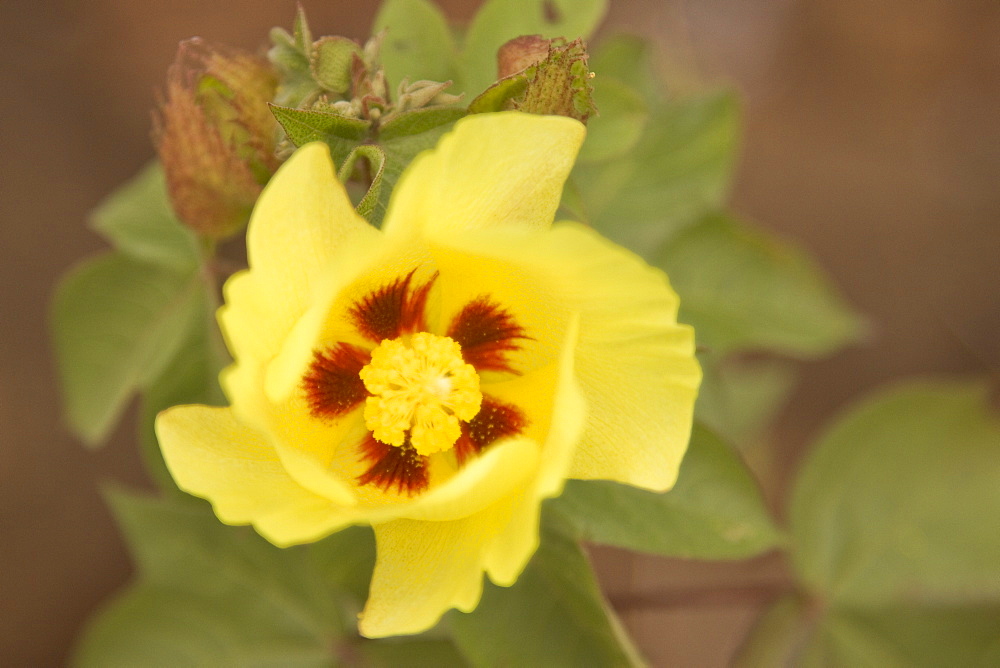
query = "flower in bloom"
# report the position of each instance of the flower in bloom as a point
(440, 377)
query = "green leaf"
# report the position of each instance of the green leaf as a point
(210, 595)
(501, 20)
(907, 637)
(401, 146)
(415, 653)
(895, 537)
(553, 615)
(154, 626)
(627, 59)
(742, 289)
(419, 121)
(616, 128)
(679, 170)
(138, 219)
(738, 398)
(303, 36)
(778, 636)
(116, 323)
(497, 96)
(715, 511)
(898, 503)
(190, 377)
(418, 43)
(304, 125)
(346, 560)
(375, 158)
(332, 63)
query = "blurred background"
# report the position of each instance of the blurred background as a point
(871, 137)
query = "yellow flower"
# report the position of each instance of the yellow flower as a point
(438, 378)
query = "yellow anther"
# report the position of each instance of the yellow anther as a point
(425, 388)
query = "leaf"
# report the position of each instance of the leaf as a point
(679, 171)
(340, 132)
(627, 59)
(412, 653)
(553, 615)
(208, 595)
(419, 121)
(375, 158)
(497, 96)
(616, 128)
(898, 503)
(739, 398)
(139, 220)
(418, 43)
(742, 289)
(400, 148)
(190, 377)
(715, 511)
(501, 20)
(346, 559)
(778, 636)
(116, 322)
(153, 626)
(907, 637)
(895, 535)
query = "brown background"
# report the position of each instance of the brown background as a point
(871, 136)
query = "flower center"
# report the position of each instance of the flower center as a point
(425, 388)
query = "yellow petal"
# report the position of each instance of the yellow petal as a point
(302, 217)
(211, 455)
(510, 551)
(491, 170)
(422, 570)
(634, 363)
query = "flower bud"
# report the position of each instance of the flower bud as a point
(215, 136)
(520, 53)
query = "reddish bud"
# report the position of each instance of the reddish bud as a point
(215, 136)
(521, 53)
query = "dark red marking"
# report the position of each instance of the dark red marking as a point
(391, 466)
(332, 384)
(392, 310)
(487, 332)
(495, 420)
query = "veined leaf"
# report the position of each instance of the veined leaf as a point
(139, 220)
(375, 158)
(898, 503)
(341, 133)
(893, 519)
(191, 376)
(116, 323)
(742, 289)
(715, 511)
(418, 43)
(678, 172)
(208, 594)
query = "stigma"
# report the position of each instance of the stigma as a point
(420, 386)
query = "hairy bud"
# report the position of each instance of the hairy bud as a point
(215, 135)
